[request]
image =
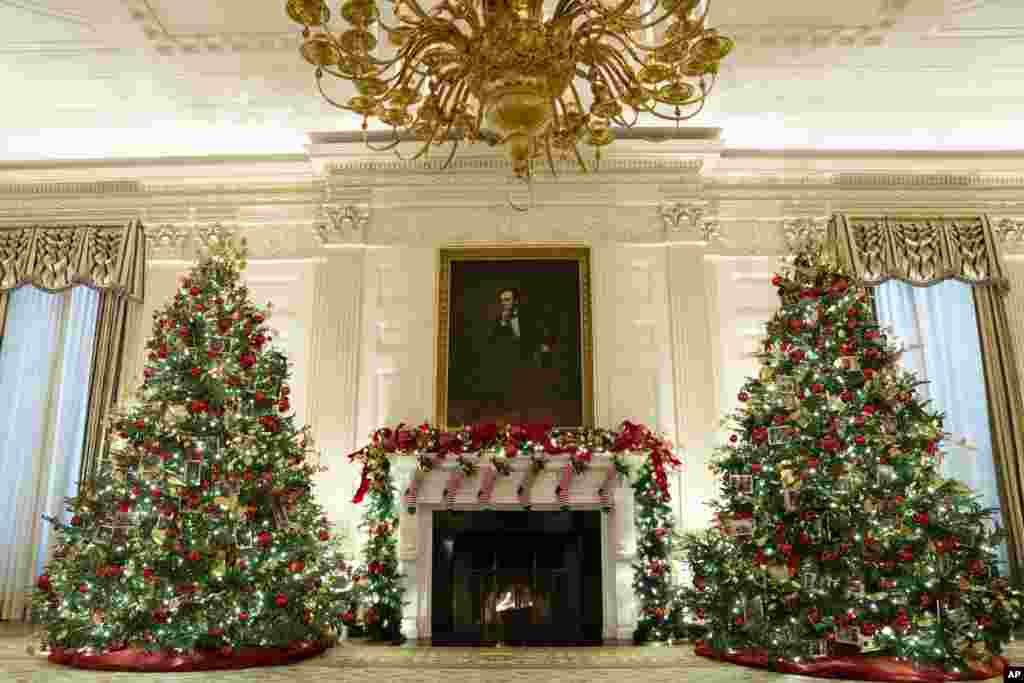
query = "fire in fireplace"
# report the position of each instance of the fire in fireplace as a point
(517, 577)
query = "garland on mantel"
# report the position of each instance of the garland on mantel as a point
(485, 444)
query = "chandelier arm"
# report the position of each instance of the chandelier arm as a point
(570, 10)
(576, 95)
(471, 17)
(386, 148)
(547, 151)
(622, 121)
(668, 15)
(415, 7)
(595, 32)
(513, 205)
(559, 119)
(614, 78)
(443, 106)
(420, 152)
(330, 100)
(451, 155)
(596, 43)
(579, 158)
(702, 101)
(410, 60)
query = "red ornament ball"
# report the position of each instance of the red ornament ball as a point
(776, 280)
(76, 521)
(296, 566)
(325, 536)
(194, 291)
(264, 538)
(43, 582)
(243, 616)
(83, 588)
(281, 600)
(194, 556)
(743, 396)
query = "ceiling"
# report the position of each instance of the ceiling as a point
(145, 78)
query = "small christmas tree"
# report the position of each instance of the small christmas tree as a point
(200, 531)
(838, 536)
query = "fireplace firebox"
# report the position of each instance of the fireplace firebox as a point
(516, 577)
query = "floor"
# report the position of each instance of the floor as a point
(359, 663)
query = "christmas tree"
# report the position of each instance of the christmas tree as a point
(838, 536)
(199, 533)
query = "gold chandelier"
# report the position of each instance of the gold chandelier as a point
(505, 72)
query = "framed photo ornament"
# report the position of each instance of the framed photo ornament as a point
(514, 336)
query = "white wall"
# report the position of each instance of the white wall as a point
(673, 315)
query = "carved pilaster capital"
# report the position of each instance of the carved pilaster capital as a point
(342, 223)
(697, 218)
(1010, 232)
(804, 231)
(166, 240)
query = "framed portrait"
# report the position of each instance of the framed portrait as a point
(514, 336)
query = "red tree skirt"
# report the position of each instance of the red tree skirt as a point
(131, 659)
(862, 668)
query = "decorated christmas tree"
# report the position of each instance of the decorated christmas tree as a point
(841, 549)
(199, 536)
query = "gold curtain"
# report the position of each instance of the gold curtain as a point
(3, 315)
(108, 352)
(1006, 411)
(920, 251)
(927, 250)
(109, 259)
(57, 258)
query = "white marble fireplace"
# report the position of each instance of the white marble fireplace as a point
(618, 538)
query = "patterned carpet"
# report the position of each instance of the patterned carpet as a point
(353, 662)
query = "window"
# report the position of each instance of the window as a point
(45, 364)
(938, 330)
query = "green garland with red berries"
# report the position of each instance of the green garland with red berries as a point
(478, 445)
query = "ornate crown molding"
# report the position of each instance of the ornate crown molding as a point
(99, 187)
(482, 170)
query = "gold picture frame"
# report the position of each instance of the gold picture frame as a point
(499, 264)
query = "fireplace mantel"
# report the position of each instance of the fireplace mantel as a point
(618, 540)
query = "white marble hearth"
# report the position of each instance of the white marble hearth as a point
(618, 537)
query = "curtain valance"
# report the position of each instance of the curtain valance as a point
(918, 250)
(57, 258)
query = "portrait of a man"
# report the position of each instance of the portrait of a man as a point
(514, 350)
